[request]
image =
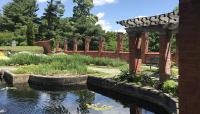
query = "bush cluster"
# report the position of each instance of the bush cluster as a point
(143, 79)
(170, 86)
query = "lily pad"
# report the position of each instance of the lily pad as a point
(98, 107)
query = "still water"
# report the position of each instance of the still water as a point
(23, 99)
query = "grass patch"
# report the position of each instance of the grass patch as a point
(33, 49)
(29, 58)
(59, 64)
(53, 68)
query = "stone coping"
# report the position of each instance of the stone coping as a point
(144, 93)
(59, 81)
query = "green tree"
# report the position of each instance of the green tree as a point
(153, 42)
(51, 20)
(18, 13)
(84, 21)
(30, 33)
(110, 41)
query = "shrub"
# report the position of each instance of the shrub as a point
(125, 75)
(170, 86)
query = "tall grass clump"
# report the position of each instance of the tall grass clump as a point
(26, 58)
(54, 68)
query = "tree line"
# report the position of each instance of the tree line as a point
(19, 21)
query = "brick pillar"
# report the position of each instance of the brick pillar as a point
(165, 56)
(145, 45)
(75, 45)
(101, 45)
(65, 45)
(46, 46)
(189, 57)
(87, 44)
(119, 42)
(58, 47)
(134, 52)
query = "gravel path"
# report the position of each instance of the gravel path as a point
(112, 71)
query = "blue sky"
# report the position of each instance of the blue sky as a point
(110, 11)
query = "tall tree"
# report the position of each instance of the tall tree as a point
(51, 19)
(20, 12)
(84, 20)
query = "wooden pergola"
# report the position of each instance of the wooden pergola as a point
(137, 28)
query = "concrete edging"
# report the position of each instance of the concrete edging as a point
(11, 78)
(40, 80)
(145, 93)
(57, 81)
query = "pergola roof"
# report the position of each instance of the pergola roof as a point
(165, 21)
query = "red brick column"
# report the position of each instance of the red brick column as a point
(101, 45)
(75, 45)
(58, 49)
(65, 45)
(189, 57)
(119, 42)
(145, 45)
(87, 44)
(134, 52)
(165, 56)
(46, 46)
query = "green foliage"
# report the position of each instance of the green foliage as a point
(82, 8)
(84, 21)
(125, 75)
(51, 20)
(16, 16)
(30, 33)
(110, 41)
(18, 13)
(170, 86)
(153, 42)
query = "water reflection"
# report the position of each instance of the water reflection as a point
(55, 104)
(26, 100)
(84, 97)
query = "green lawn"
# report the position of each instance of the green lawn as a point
(33, 49)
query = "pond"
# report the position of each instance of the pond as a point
(23, 99)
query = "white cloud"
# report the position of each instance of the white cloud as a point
(40, 1)
(140, 16)
(103, 2)
(104, 24)
(100, 15)
(120, 30)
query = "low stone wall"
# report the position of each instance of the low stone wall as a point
(40, 80)
(144, 93)
(58, 80)
(11, 78)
